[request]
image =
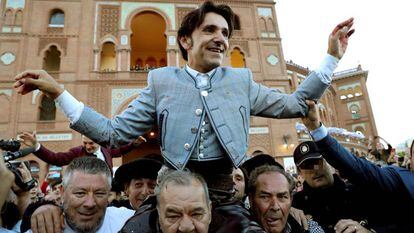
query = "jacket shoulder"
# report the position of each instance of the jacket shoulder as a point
(165, 70)
(241, 71)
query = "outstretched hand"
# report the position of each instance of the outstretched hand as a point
(338, 39)
(29, 139)
(30, 80)
(312, 120)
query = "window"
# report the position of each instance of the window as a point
(8, 17)
(236, 22)
(18, 18)
(51, 61)
(57, 18)
(355, 111)
(108, 57)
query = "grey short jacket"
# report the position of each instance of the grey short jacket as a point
(173, 101)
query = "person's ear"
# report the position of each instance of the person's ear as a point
(186, 42)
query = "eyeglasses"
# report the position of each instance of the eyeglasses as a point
(310, 164)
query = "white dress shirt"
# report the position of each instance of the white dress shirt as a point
(114, 220)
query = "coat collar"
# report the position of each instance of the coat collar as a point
(217, 73)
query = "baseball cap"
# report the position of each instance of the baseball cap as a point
(306, 151)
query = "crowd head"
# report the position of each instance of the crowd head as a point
(86, 183)
(270, 195)
(138, 179)
(183, 203)
(203, 37)
(89, 145)
(312, 166)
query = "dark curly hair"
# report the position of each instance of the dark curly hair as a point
(196, 17)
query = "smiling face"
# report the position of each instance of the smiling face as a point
(89, 145)
(85, 200)
(208, 43)
(138, 190)
(271, 201)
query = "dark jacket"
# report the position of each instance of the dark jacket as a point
(292, 226)
(64, 158)
(329, 205)
(389, 190)
(225, 219)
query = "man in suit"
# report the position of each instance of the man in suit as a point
(202, 110)
(88, 147)
(391, 188)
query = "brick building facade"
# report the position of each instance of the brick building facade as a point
(101, 51)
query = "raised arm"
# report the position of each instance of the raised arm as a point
(357, 170)
(272, 103)
(50, 157)
(121, 130)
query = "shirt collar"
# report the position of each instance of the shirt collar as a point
(194, 72)
(98, 150)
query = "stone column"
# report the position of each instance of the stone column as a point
(124, 51)
(172, 49)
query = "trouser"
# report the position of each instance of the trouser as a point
(217, 174)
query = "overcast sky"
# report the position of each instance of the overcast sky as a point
(383, 44)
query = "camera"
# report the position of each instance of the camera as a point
(13, 166)
(12, 152)
(9, 145)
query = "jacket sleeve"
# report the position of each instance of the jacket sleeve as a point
(118, 152)
(124, 128)
(58, 158)
(359, 170)
(269, 102)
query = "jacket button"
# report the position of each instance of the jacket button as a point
(204, 93)
(201, 139)
(194, 130)
(187, 146)
(198, 112)
(201, 155)
(201, 147)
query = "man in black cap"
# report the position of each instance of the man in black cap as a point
(138, 179)
(325, 196)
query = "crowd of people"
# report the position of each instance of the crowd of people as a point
(203, 180)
